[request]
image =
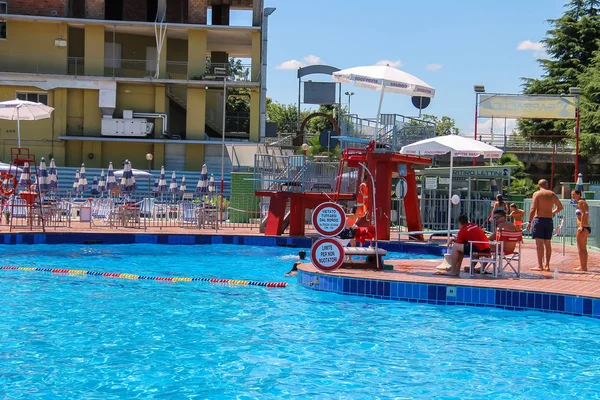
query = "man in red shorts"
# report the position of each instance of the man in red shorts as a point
(469, 232)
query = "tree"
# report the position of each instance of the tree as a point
(443, 126)
(238, 99)
(571, 45)
(521, 182)
(285, 115)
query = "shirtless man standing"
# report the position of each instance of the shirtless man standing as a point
(545, 204)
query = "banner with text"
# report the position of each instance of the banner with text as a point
(523, 106)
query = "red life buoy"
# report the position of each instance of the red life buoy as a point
(362, 200)
(5, 190)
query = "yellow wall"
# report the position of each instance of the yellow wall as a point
(119, 151)
(255, 56)
(197, 49)
(194, 157)
(91, 113)
(139, 98)
(196, 113)
(94, 50)
(75, 112)
(29, 47)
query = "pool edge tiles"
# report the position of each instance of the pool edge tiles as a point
(54, 238)
(450, 295)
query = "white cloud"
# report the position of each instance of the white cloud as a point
(433, 67)
(391, 63)
(295, 64)
(538, 48)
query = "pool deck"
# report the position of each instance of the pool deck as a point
(585, 284)
(412, 271)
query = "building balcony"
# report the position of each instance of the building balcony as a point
(119, 68)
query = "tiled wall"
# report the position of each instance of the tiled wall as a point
(453, 295)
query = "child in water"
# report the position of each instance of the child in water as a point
(294, 270)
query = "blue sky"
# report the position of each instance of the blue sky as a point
(451, 45)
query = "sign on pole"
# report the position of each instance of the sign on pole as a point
(327, 254)
(431, 183)
(401, 188)
(329, 219)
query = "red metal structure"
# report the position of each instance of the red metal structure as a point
(381, 164)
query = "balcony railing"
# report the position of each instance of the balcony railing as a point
(115, 68)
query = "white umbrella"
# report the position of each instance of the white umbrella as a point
(10, 168)
(386, 80)
(134, 172)
(21, 110)
(457, 146)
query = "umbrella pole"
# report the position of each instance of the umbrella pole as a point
(18, 129)
(450, 198)
(379, 112)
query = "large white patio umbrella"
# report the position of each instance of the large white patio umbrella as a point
(386, 80)
(21, 110)
(457, 146)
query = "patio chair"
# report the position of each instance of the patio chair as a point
(486, 260)
(189, 213)
(18, 209)
(511, 259)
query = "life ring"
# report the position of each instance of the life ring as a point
(362, 200)
(5, 191)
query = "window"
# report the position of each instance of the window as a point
(35, 97)
(2, 29)
(3, 7)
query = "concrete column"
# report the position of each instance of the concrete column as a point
(254, 115)
(160, 106)
(92, 115)
(94, 50)
(255, 56)
(196, 113)
(94, 9)
(197, 50)
(197, 10)
(163, 61)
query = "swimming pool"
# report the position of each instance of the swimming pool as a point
(93, 337)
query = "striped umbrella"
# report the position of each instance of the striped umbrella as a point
(183, 186)
(95, 184)
(111, 182)
(128, 181)
(76, 182)
(44, 180)
(155, 189)
(211, 184)
(173, 186)
(202, 186)
(101, 183)
(162, 183)
(53, 176)
(24, 179)
(83, 186)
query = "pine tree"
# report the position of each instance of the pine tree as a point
(571, 45)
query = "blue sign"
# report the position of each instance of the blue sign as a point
(401, 188)
(326, 141)
(402, 170)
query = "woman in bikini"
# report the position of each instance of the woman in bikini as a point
(500, 204)
(583, 229)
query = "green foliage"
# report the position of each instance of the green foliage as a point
(571, 44)
(238, 99)
(521, 182)
(443, 126)
(522, 186)
(285, 115)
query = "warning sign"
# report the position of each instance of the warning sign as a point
(329, 219)
(327, 254)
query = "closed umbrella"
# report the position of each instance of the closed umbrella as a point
(95, 190)
(83, 186)
(183, 186)
(101, 183)
(53, 176)
(111, 182)
(25, 179)
(386, 80)
(128, 180)
(202, 186)
(162, 183)
(21, 110)
(173, 186)
(155, 189)
(43, 180)
(211, 184)
(76, 182)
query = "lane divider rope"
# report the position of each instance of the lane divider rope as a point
(237, 282)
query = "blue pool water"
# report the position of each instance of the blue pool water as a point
(100, 338)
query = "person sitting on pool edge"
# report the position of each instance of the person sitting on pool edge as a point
(461, 247)
(294, 270)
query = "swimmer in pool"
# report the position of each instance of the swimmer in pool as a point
(294, 270)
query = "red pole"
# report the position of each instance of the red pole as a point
(552, 176)
(222, 197)
(578, 115)
(475, 134)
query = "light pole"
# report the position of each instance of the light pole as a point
(478, 89)
(349, 94)
(149, 158)
(223, 148)
(577, 92)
